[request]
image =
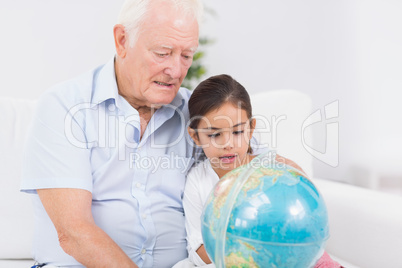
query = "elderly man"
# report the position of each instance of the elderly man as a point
(107, 154)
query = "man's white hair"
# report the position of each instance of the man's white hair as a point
(133, 13)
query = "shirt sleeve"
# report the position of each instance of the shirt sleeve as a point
(193, 206)
(56, 151)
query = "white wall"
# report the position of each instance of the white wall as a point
(379, 65)
(347, 51)
(47, 41)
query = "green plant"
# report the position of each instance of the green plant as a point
(197, 69)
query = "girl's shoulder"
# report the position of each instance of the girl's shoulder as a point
(201, 168)
(202, 171)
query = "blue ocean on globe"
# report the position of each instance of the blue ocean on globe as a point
(265, 214)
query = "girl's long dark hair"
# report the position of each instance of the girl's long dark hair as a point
(215, 91)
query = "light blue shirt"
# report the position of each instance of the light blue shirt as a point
(85, 135)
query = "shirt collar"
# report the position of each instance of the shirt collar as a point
(178, 101)
(105, 85)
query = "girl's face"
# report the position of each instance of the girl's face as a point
(224, 135)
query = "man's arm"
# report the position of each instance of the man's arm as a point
(70, 212)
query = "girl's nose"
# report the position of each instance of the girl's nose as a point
(228, 141)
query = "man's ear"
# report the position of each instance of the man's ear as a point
(194, 135)
(121, 40)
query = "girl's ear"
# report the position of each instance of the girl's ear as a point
(193, 135)
(253, 122)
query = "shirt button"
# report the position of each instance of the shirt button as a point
(144, 216)
(112, 107)
(143, 251)
(138, 185)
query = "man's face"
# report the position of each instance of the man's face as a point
(157, 64)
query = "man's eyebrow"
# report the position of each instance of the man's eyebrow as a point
(168, 47)
(215, 128)
(191, 49)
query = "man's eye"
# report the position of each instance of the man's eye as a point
(161, 54)
(187, 57)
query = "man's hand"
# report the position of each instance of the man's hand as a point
(70, 212)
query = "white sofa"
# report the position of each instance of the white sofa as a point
(365, 226)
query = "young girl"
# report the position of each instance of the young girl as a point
(222, 125)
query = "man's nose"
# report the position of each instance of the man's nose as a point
(174, 68)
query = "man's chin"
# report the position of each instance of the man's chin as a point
(160, 96)
(159, 102)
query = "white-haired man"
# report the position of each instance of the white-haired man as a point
(107, 154)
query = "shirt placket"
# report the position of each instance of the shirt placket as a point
(139, 187)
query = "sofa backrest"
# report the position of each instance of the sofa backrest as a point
(16, 224)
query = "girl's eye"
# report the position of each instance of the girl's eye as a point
(239, 132)
(214, 135)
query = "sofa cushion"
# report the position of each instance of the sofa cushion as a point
(16, 224)
(365, 225)
(22, 263)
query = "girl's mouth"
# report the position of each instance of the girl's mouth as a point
(228, 158)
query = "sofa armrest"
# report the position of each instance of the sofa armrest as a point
(16, 223)
(365, 225)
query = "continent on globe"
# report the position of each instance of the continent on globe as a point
(235, 260)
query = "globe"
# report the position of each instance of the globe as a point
(264, 214)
